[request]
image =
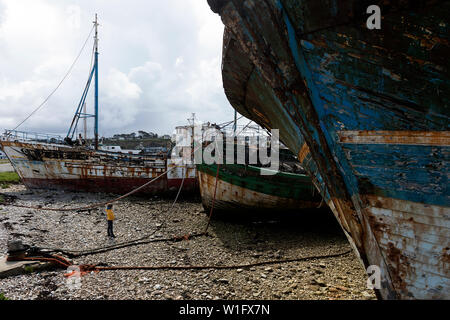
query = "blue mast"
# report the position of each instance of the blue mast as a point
(79, 114)
(96, 84)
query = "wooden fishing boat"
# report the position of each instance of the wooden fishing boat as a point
(61, 167)
(242, 188)
(51, 162)
(367, 113)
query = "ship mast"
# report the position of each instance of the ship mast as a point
(81, 109)
(235, 122)
(85, 122)
(96, 81)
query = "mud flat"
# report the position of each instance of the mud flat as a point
(230, 243)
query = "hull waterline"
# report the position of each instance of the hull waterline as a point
(367, 113)
(47, 166)
(242, 188)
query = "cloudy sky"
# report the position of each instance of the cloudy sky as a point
(159, 62)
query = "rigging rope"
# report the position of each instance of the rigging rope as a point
(225, 124)
(59, 84)
(244, 127)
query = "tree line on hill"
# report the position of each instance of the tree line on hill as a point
(139, 135)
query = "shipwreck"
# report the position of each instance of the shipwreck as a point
(51, 162)
(367, 113)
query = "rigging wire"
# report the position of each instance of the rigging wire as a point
(245, 127)
(225, 124)
(59, 84)
(77, 116)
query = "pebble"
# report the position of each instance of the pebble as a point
(143, 280)
(226, 281)
(230, 243)
(318, 271)
(319, 282)
(342, 288)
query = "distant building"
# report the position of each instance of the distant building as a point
(125, 136)
(154, 150)
(119, 149)
(111, 148)
(166, 136)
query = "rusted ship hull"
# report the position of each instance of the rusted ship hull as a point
(367, 112)
(242, 188)
(50, 166)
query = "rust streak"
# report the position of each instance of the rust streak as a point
(304, 151)
(435, 138)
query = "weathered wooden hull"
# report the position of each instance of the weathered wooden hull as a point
(48, 166)
(367, 112)
(242, 188)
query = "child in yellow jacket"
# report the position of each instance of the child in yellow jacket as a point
(110, 217)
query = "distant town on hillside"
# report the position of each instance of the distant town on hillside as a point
(139, 135)
(140, 140)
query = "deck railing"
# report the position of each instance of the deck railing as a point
(32, 136)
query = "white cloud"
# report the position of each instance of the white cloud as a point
(159, 62)
(179, 61)
(118, 86)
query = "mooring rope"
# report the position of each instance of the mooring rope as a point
(95, 205)
(234, 266)
(78, 253)
(213, 200)
(85, 268)
(136, 242)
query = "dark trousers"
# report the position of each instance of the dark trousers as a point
(110, 228)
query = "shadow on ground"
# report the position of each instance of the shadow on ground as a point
(278, 230)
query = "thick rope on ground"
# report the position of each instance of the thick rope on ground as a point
(85, 268)
(79, 253)
(236, 266)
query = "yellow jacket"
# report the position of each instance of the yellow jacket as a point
(109, 214)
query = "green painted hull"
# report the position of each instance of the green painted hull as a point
(243, 187)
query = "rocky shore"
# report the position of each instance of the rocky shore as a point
(230, 242)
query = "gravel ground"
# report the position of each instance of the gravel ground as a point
(231, 242)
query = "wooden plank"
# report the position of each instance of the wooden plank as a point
(427, 138)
